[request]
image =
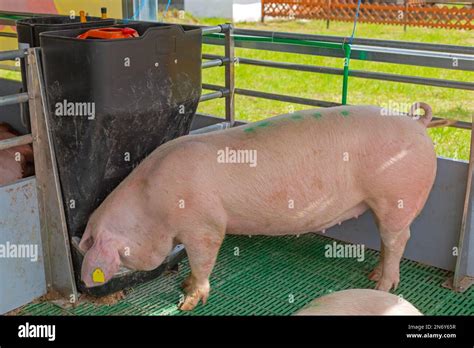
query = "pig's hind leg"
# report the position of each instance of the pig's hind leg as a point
(202, 249)
(394, 228)
(394, 245)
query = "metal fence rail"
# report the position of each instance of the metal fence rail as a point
(426, 55)
(355, 73)
(373, 50)
(386, 51)
(11, 55)
(11, 100)
(364, 42)
(226, 32)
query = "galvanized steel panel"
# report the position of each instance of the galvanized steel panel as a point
(22, 279)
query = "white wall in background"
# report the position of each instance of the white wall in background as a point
(237, 10)
(247, 10)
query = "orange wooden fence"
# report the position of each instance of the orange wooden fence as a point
(413, 13)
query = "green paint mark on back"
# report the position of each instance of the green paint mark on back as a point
(296, 117)
(249, 130)
(253, 128)
(345, 113)
(264, 124)
(317, 115)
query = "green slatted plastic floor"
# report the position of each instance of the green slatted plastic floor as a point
(275, 276)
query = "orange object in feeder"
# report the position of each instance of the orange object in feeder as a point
(109, 33)
(82, 14)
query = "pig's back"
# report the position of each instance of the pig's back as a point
(313, 169)
(359, 302)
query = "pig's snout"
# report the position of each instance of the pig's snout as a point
(100, 264)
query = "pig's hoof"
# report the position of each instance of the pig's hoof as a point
(192, 300)
(385, 284)
(375, 275)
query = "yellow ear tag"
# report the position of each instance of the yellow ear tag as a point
(98, 276)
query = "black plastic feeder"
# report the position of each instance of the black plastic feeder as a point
(29, 29)
(143, 91)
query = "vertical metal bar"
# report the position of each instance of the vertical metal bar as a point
(230, 75)
(405, 18)
(345, 79)
(54, 236)
(145, 10)
(460, 270)
(127, 9)
(328, 20)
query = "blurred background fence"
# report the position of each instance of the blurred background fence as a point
(418, 13)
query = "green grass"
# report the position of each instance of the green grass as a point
(11, 75)
(446, 102)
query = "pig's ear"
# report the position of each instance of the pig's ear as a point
(87, 240)
(100, 264)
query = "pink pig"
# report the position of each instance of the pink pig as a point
(16, 162)
(299, 173)
(359, 302)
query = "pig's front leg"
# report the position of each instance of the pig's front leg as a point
(202, 250)
(394, 246)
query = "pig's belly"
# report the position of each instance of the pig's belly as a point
(292, 222)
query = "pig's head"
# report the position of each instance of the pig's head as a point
(102, 259)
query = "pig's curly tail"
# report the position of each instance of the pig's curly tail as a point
(426, 118)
